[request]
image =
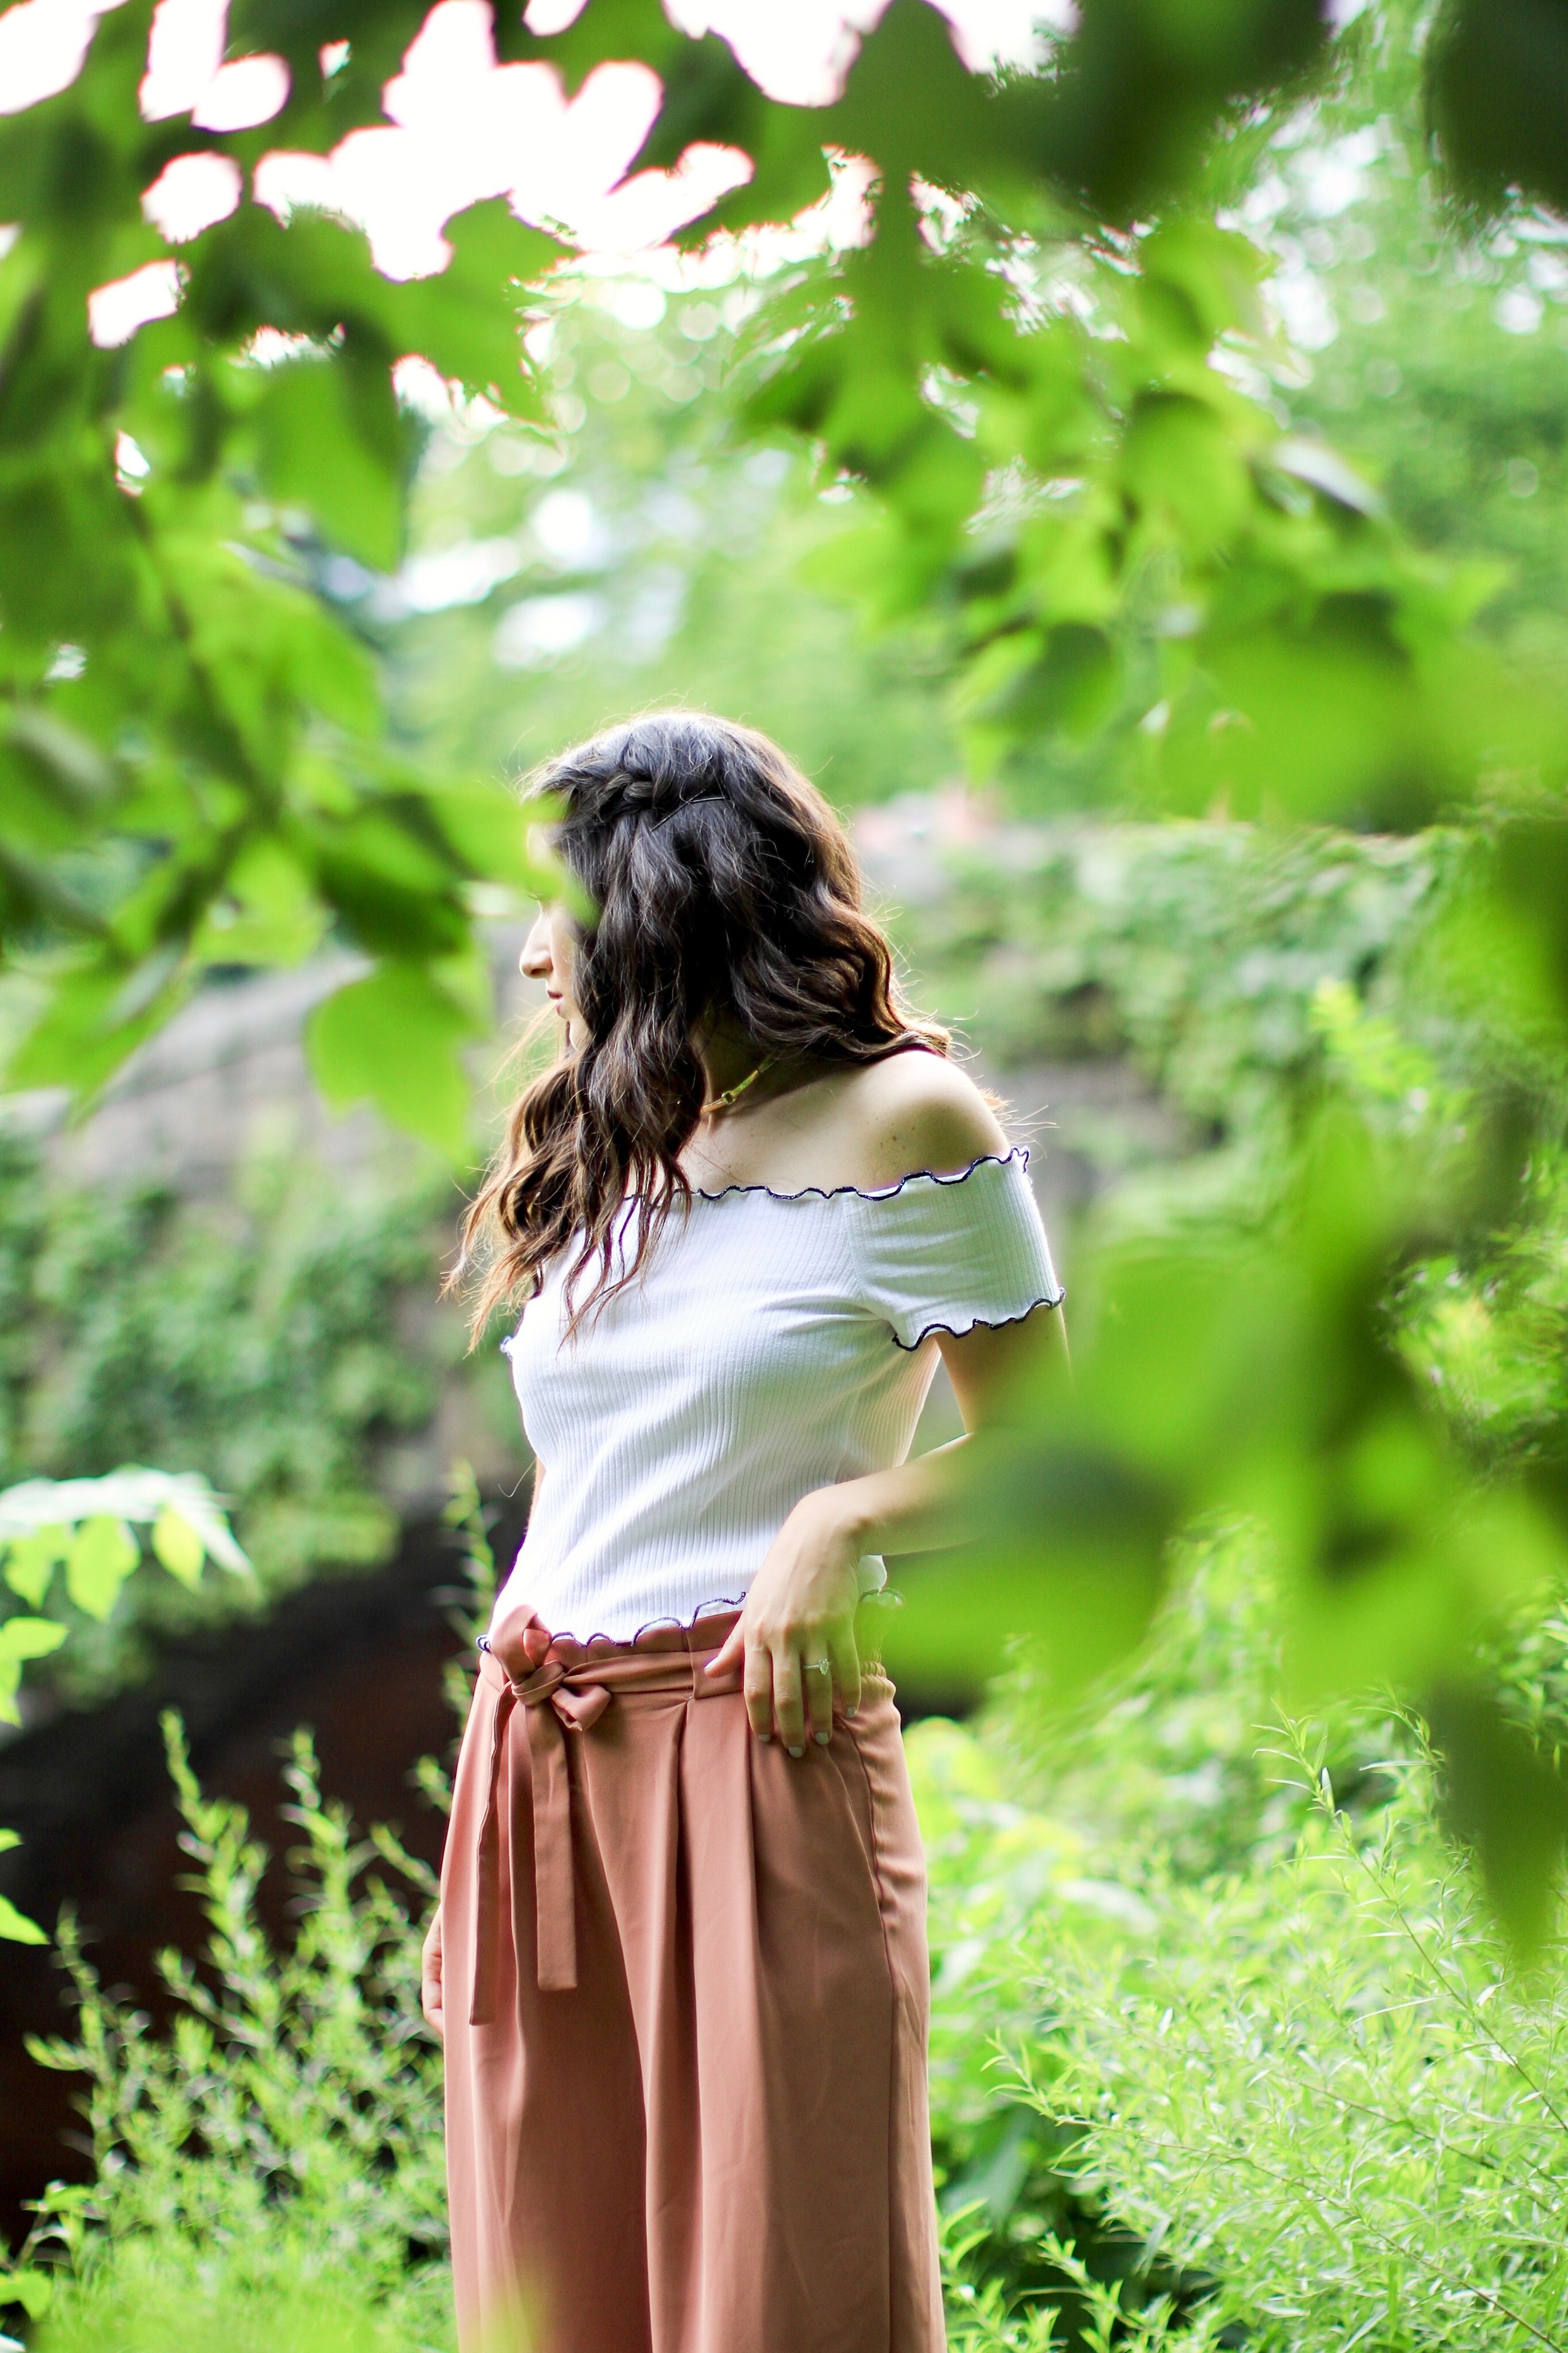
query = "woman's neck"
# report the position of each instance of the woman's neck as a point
(727, 1054)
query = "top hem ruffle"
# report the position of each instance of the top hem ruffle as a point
(717, 1608)
(872, 1193)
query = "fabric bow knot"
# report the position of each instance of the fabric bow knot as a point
(561, 1689)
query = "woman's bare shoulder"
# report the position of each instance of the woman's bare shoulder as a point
(916, 1110)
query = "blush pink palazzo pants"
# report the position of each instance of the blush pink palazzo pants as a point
(686, 1997)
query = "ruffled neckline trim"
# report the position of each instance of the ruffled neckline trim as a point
(876, 1193)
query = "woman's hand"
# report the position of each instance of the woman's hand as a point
(796, 1632)
(430, 1998)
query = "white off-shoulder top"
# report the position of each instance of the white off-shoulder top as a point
(773, 1342)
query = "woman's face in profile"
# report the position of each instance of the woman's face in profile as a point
(549, 954)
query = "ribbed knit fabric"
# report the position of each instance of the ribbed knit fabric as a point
(774, 1343)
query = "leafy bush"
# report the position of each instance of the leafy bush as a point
(1220, 2003)
(272, 2165)
(276, 2152)
(1027, 1818)
(139, 2307)
(264, 1341)
(1319, 2084)
(1199, 950)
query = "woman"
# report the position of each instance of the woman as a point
(679, 1963)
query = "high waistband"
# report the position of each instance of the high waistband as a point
(569, 1691)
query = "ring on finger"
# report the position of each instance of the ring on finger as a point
(817, 1666)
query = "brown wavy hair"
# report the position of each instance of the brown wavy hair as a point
(726, 888)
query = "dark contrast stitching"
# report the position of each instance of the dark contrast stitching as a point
(715, 1608)
(979, 1322)
(880, 1193)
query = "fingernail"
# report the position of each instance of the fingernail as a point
(821, 1738)
(797, 1752)
(851, 1713)
(764, 1738)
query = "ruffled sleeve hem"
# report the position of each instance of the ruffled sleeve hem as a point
(980, 1322)
(953, 1251)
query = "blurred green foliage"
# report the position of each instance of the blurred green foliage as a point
(193, 761)
(265, 1340)
(1198, 951)
(1048, 377)
(1262, 2039)
(645, 559)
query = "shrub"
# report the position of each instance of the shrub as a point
(264, 1341)
(1220, 2005)
(141, 2304)
(1317, 2082)
(275, 2156)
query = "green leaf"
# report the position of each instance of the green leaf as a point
(33, 2290)
(270, 914)
(131, 1493)
(389, 872)
(16, 1928)
(1030, 683)
(1073, 1555)
(102, 1554)
(320, 109)
(392, 1039)
(329, 439)
(179, 1547)
(465, 320)
(1497, 89)
(1205, 280)
(22, 1639)
(490, 833)
(911, 104)
(327, 669)
(53, 782)
(313, 278)
(1181, 464)
(1507, 1801)
(605, 30)
(31, 1562)
(30, 1638)
(1135, 93)
(77, 1040)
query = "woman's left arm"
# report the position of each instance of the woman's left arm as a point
(796, 1634)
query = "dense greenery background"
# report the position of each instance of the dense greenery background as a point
(1037, 487)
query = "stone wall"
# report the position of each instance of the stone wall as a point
(228, 1078)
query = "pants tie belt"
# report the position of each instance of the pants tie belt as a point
(569, 1693)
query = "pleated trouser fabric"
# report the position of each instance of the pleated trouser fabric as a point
(706, 2130)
